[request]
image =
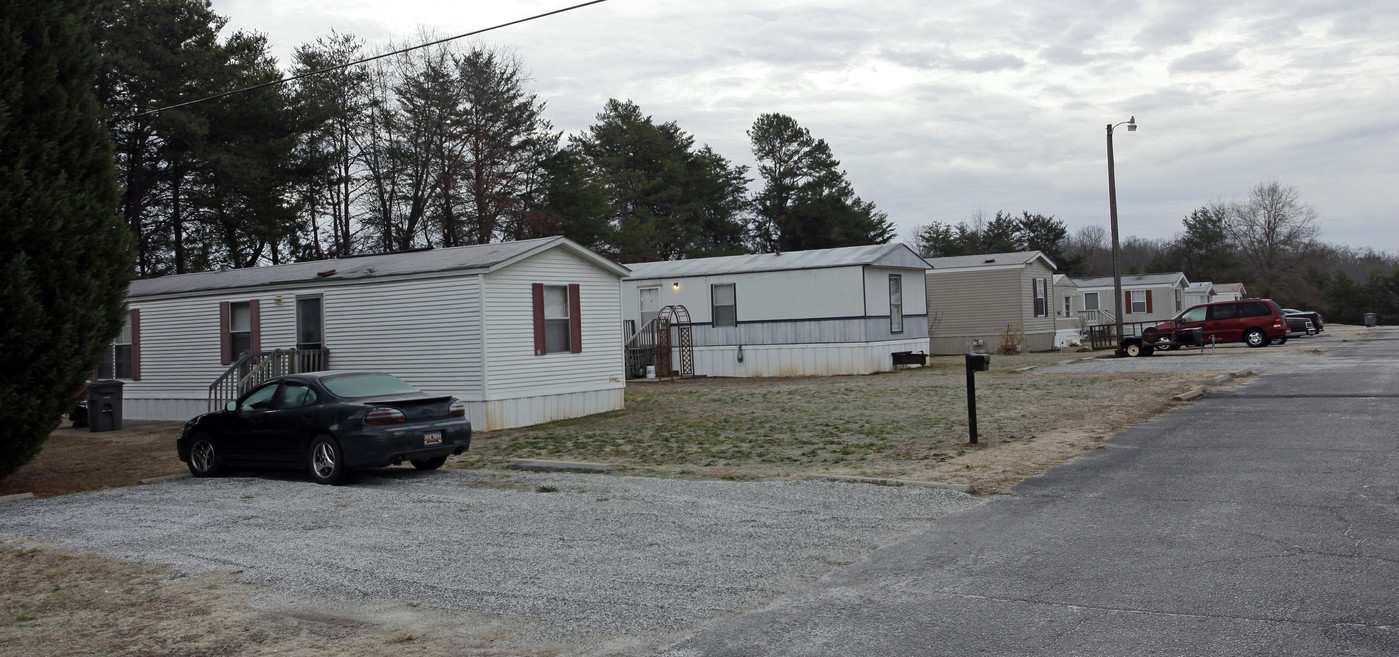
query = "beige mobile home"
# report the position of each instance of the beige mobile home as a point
(984, 297)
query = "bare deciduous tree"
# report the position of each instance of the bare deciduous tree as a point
(1273, 231)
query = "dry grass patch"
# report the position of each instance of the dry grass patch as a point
(910, 424)
(57, 602)
(76, 460)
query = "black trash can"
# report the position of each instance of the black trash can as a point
(104, 405)
(1371, 319)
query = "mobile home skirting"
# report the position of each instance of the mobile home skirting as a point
(802, 359)
(484, 415)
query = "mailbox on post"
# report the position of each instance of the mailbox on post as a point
(975, 363)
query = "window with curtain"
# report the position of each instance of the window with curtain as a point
(896, 303)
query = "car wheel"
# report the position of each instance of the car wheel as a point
(1132, 349)
(203, 458)
(1165, 347)
(1255, 338)
(429, 464)
(1280, 340)
(327, 461)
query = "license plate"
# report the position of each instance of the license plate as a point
(432, 438)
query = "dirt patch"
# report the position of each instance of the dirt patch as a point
(75, 460)
(57, 602)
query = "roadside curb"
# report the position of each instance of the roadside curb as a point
(1190, 396)
(559, 466)
(172, 477)
(16, 497)
(961, 488)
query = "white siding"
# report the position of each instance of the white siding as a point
(512, 369)
(777, 295)
(803, 359)
(422, 330)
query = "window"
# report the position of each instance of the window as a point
(650, 304)
(121, 359)
(896, 303)
(259, 399)
(309, 328)
(1039, 288)
(239, 329)
(1068, 305)
(558, 326)
(1224, 311)
(1090, 300)
(1140, 301)
(1178, 306)
(555, 318)
(296, 395)
(725, 306)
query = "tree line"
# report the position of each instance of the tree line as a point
(1269, 241)
(435, 147)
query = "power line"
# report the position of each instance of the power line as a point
(363, 61)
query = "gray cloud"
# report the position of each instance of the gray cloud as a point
(924, 59)
(1208, 61)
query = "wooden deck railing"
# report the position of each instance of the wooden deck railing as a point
(254, 367)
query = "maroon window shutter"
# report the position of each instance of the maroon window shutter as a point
(575, 320)
(1035, 296)
(135, 345)
(1148, 301)
(540, 345)
(1127, 302)
(254, 326)
(225, 345)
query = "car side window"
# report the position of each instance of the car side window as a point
(1226, 311)
(1194, 314)
(1256, 309)
(259, 399)
(296, 395)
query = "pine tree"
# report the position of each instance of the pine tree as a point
(64, 249)
(806, 201)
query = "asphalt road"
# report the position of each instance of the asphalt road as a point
(1261, 522)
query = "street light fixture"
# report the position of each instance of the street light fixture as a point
(1116, 248)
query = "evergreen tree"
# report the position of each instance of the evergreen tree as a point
(806, 201)
(64, 251)
(668, 201)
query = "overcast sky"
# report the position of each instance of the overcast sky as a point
(940, 110)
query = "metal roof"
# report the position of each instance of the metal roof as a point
(473, 258)
(886, 255)
(1171, 278)
(990, 260)
(1203, 286)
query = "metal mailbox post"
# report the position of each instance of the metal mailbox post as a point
(975, 363)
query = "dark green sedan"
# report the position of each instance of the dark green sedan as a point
(327, 423)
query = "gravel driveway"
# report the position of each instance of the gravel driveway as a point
(592, 564)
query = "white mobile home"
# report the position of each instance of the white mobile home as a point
(818, 312)
(1199, 293)
(525, 332)
(980, 297)
(1145, 297)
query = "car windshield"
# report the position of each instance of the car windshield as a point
(365, 385)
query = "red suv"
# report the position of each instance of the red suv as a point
(1256, 322)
